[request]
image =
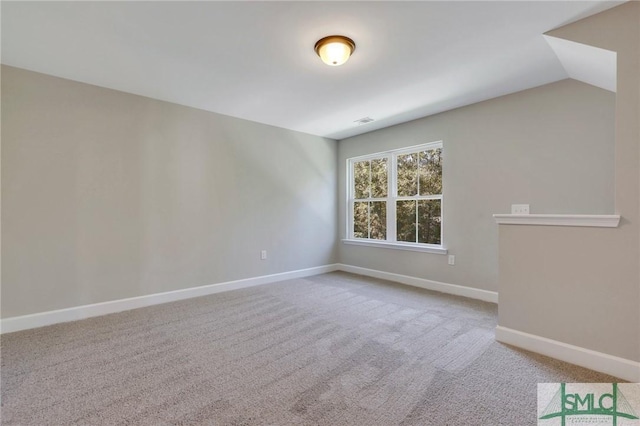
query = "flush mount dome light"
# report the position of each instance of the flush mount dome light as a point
(335, 50)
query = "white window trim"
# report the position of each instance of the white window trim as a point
(391, 199)
(426, 248)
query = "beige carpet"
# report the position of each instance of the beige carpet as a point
(334, 349)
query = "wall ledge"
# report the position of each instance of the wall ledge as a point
(590, 220)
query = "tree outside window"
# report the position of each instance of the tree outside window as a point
(397, 195)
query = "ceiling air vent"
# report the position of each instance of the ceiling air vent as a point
(362, 121)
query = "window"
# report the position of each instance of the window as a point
(395, 198)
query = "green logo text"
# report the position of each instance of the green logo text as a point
(613, 404)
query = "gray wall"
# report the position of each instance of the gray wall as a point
(550, 147)
(582, 285)
(107, 195)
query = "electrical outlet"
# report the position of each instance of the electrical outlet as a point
(452, 259)
(519, 208)
(263, 255)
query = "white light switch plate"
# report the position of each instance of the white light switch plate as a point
(519, 208)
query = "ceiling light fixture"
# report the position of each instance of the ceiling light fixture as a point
(335, 50)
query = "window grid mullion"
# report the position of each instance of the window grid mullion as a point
(392, 193)
(369, 219)
(416, 218)
(422, 197)
(362, 200)
(418, 174)
(369, 203)
(417, 190)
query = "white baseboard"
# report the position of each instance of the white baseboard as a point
(42, 319)
(598, 361)
(458, 290)
(25, 322)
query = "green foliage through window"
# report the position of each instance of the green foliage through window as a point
(370, 182)
(416, 198)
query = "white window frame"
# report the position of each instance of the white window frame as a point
(391, 199)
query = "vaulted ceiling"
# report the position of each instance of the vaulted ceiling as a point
(255, 60)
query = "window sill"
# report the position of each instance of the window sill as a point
(398, 246)
(591, 220)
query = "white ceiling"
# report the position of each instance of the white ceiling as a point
(255, 60)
